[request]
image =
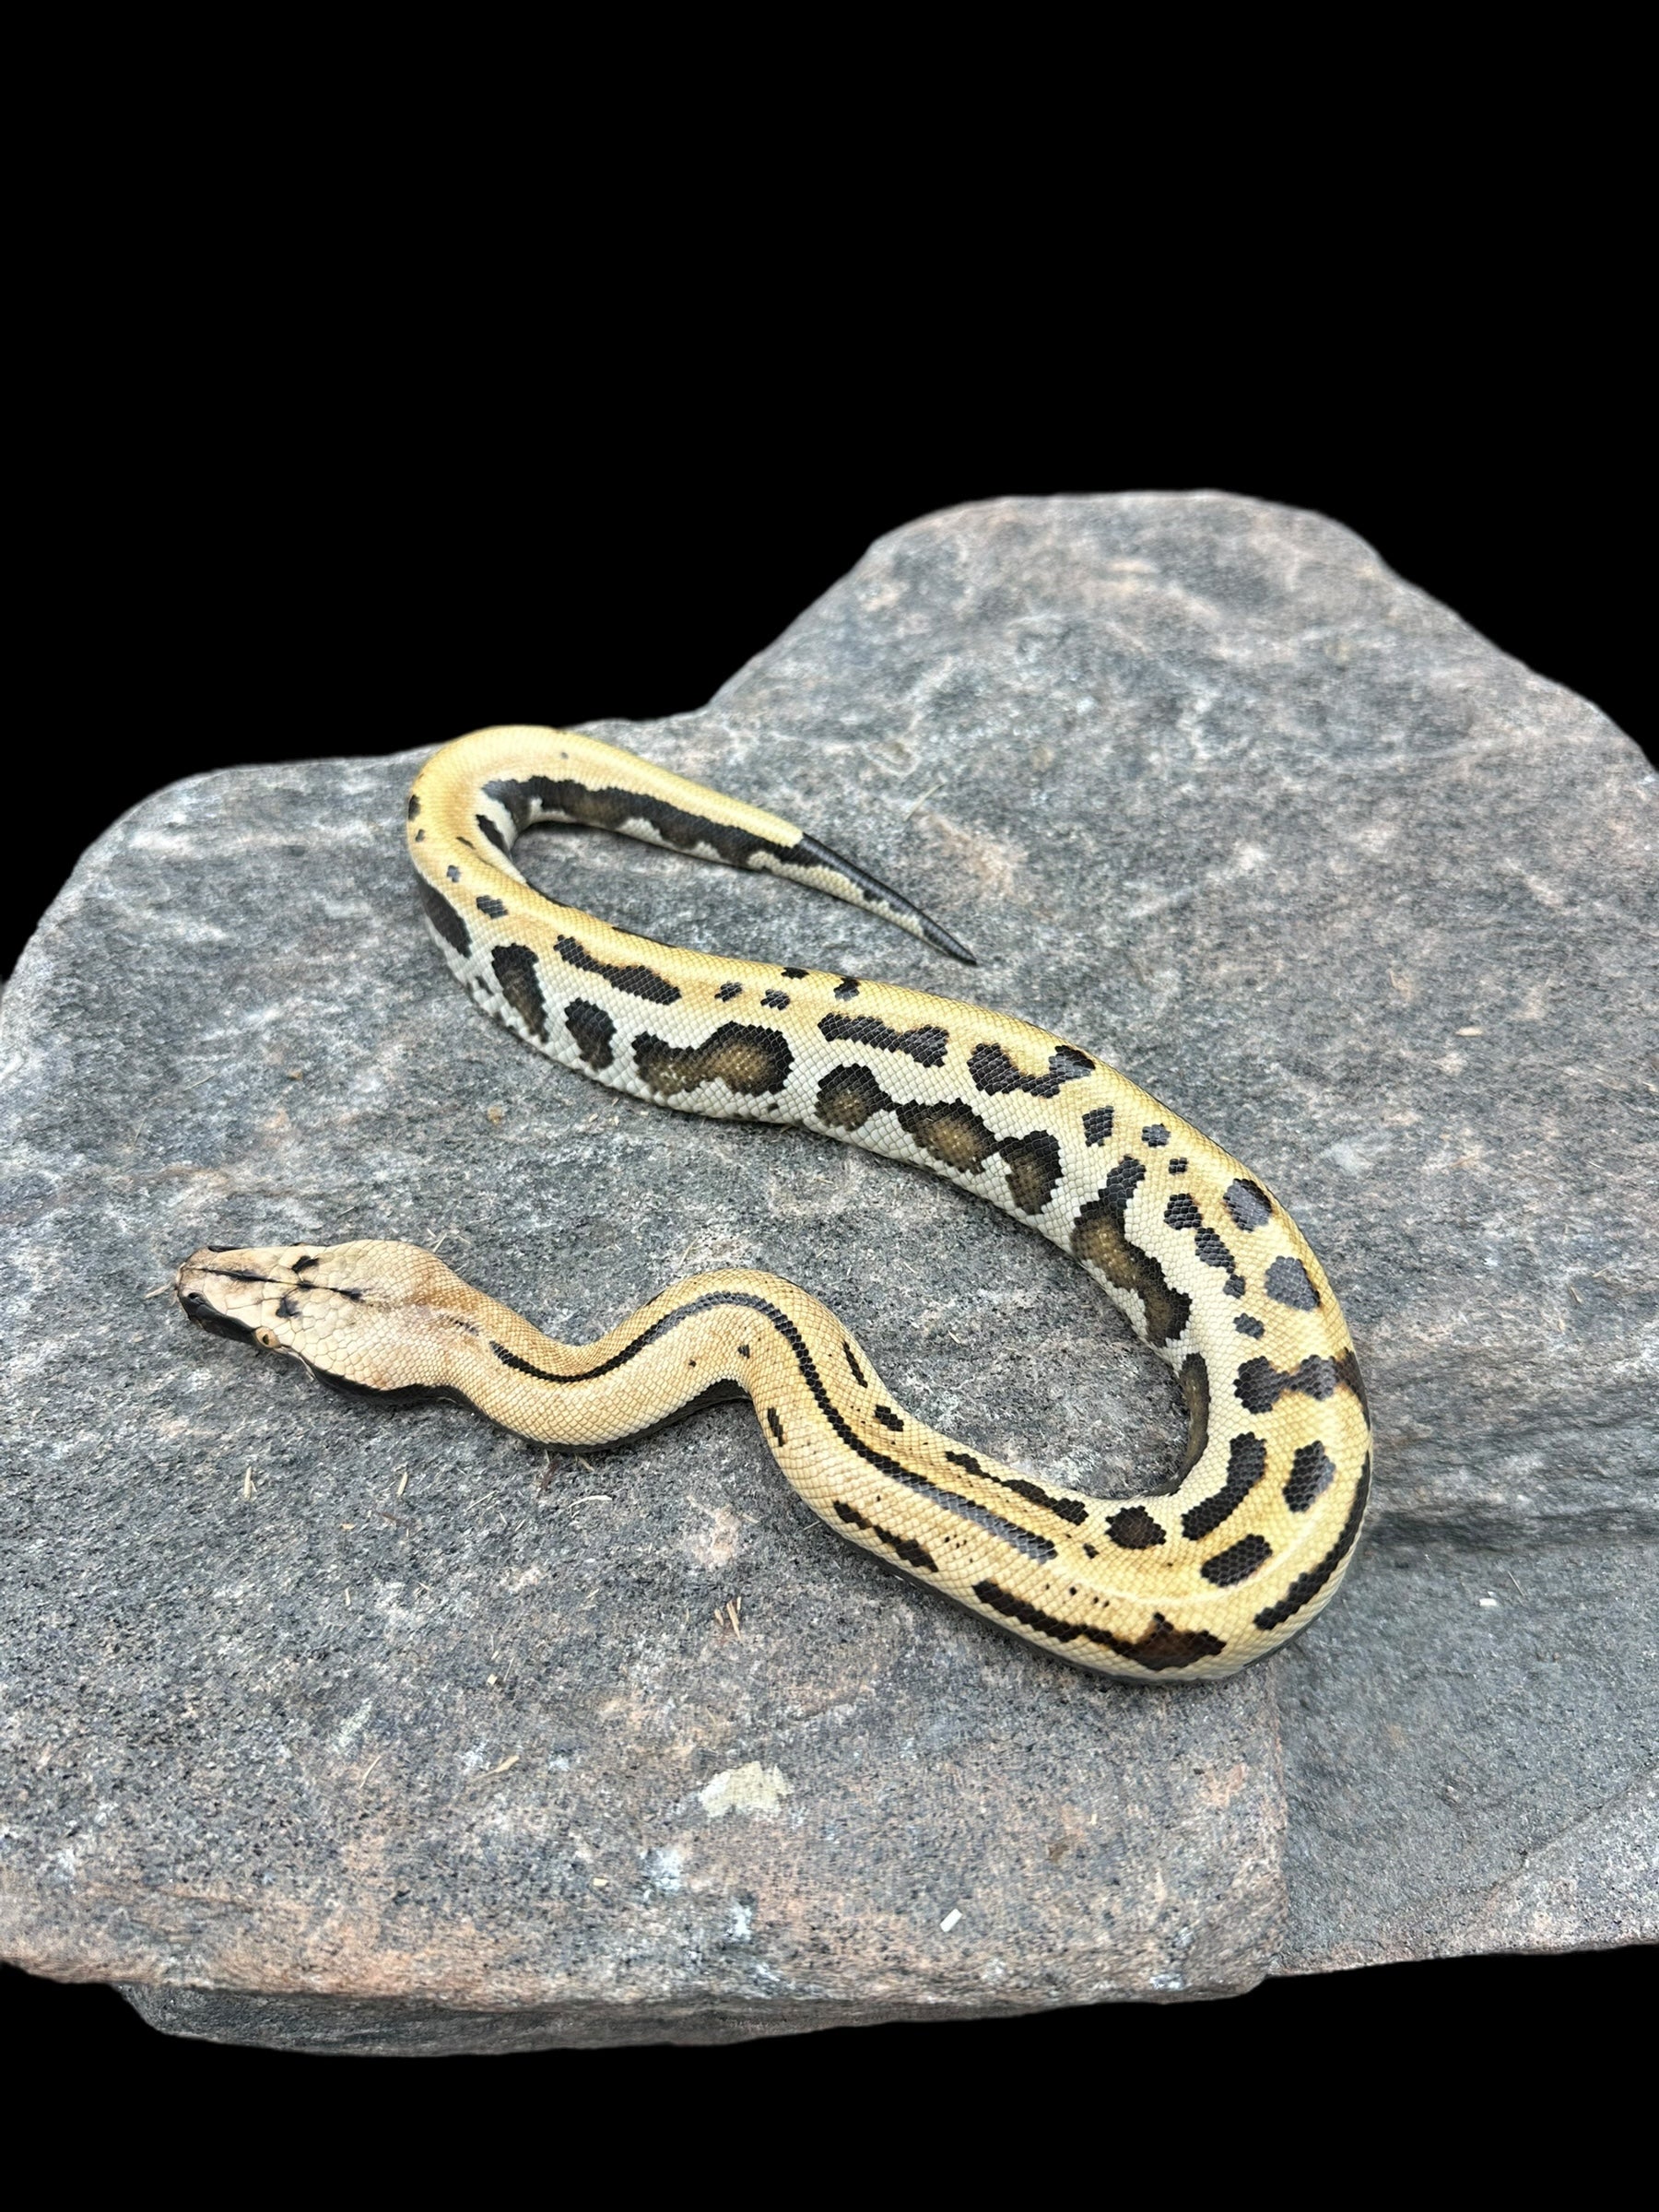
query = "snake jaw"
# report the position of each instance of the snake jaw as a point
(366, 1316)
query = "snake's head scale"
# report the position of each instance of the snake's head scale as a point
(364, 1316)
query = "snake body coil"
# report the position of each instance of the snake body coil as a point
(1209, 1268)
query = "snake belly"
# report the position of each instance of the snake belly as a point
(1207, 1267)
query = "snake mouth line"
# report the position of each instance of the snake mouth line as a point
(206, 1316)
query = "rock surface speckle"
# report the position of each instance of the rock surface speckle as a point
(326, 1726)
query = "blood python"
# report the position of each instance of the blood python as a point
(1209, 1268)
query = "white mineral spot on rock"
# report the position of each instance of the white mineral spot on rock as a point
(665, 1868)
(347, 1735)
(748, 1789)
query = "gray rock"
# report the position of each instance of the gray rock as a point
(335, 1728)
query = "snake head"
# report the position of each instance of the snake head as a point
(367, 1316)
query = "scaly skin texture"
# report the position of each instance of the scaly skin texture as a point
(1209, 1269)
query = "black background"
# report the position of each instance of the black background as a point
(251, 539)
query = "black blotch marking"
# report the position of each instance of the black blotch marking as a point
(443, 917)
(848, 1097)
(1289, 1283)
(486, 905)
(301, 1265)
(489, 830)
(1248, 1325)
(1260, 1385)
(775, 998)
(1212, 1251)
(639, 982)
(729, 991)
(743, 1351)
(413, 807)
(1033, 1166)
(515, 971)
(906, 1548)
(1164, 1645)
(1193, 1381)
(994, 1072)
(1182, 1212)
(1238, 1563)
(1246, 1464)
(1099, 1237)
(1177, 1167)
(747, 1061)
(1234, 1286)
(1155, 1133)
(459, 839)
(890, 1419)
(847, 987)
(774, 1423)
(420, 836)
(1313, 1471)
(1073, 1511)
(795, 976)
(1097, 1124)
(952, 1132)
(1248, 1203)
(593, 1029)
(1089, 1552)
(452, 872)
(1070, 1509)
(1134, 1529)
(1347, 1371)
(926, 1046)
(287, 1307)
(1308, 1585)
(858, 1374)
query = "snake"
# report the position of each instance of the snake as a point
(1181, 1584)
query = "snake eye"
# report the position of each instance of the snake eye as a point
(266, 1337)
